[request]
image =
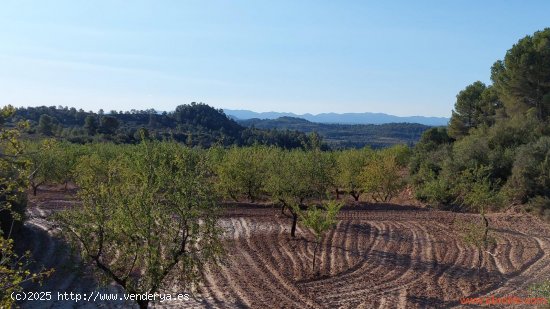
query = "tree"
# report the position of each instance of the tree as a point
(297, 177)
(382, 177)
(14, 169)
(350, 165)
(319, 220)
(521, 79)
(467, 109)
(45, 125)
(148, 217)
(90, 124)
(109, 125)
(47, 164)
(242, 172)
(475, 191)
(531, 172)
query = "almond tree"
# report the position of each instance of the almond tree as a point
(298, 177)
(350, 165)
(14, 171)
(148, 218)
(319, 220)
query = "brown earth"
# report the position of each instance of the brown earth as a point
(377, 256)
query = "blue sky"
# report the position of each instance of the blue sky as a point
(397, 57)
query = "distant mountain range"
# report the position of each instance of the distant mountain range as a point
(345, 118)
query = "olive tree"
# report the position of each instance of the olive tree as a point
(148, 217)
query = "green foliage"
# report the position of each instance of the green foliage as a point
(47, 163)
(242, 172)
(540, 205)
(502, 150)
(46, 125)
(477, 234)
(108, 125)
(474, 189)
(14, 269)
(90, 125)
(297, 175)
(319, 220)
(475, 106)
(14, 171)
(342, 136)
(531, 171)
(148, 216)
(350, 164)
(382, 177)
(194, 124)
(521, 79)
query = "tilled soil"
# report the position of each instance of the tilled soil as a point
(377, 256)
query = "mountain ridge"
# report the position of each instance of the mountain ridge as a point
(337, 118)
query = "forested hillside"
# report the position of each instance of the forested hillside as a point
(347, 135)
(194, 124)
(496, 151)
(198, 124)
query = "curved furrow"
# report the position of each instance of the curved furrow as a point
(241, 283)
(211, 291)
(235, 283)
(420, 260)
(355, 272)
(454, 255)
(286, 261)
(350, 246)
(516, 252)
(533, 270)
(326, 258)
(231, 287)
(284, 249)
(384, 259)
(338, 258)
(504, 249)
(270, 287)
(268, 264)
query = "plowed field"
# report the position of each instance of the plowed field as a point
(377, 256)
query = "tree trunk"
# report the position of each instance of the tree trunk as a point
(314, 256)
(294, 221)
(34, 188)
(143, 304)
(486, 232)
(480, 259)
(250, 195)
(355, 195)
(337, 193)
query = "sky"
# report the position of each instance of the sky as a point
(397, 57)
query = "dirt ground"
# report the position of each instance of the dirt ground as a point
(377, 256)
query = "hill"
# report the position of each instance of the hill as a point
(346, 135)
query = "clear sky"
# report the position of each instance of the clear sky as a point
(397, 57)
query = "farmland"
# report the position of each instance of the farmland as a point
(378, 255)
